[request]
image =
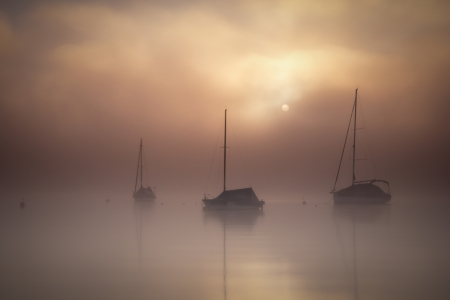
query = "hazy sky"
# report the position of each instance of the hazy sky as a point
(82, 81)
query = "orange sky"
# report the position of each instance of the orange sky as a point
(82, 81)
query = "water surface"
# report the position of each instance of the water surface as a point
(170, 250)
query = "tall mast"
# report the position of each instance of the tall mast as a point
(225, 153)
(140, 151)
(354, 138)
(343, 149)
(137, 171)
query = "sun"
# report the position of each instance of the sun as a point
(285, 107)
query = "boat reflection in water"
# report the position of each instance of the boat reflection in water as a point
(363, 214)
(231, 219)
(370, 214)
(142, 210)
(241, 219)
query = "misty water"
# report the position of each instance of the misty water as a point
(167, 249)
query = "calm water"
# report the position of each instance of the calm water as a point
(127, 250)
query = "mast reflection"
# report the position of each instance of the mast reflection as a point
(358, 215)
(243, 220)
(142, 210)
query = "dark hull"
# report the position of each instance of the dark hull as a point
(361, 199)
(361, 193)
(234, 199)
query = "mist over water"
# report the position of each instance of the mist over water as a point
(170, 249)
(81, 82)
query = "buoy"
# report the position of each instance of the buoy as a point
(22, 204)
(107, 200)
(304, 202)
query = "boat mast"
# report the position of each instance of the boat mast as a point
(137, 172)
(225, 153)
(140, 150)
(343, 149)
(354, 138)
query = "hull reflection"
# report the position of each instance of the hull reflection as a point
(358, 214)
(141, 209)
(231, 218)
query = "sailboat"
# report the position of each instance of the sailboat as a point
(232, 199)
(143, 193)
(360, 192)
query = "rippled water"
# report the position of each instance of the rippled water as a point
(170, 250)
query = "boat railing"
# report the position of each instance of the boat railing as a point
(207, 196)
(386, 183)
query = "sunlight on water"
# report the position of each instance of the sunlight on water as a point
(128, 250)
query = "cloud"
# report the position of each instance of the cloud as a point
(76, 72)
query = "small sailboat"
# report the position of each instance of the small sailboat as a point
(142, 193)
(360, 192)
(232, 199)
